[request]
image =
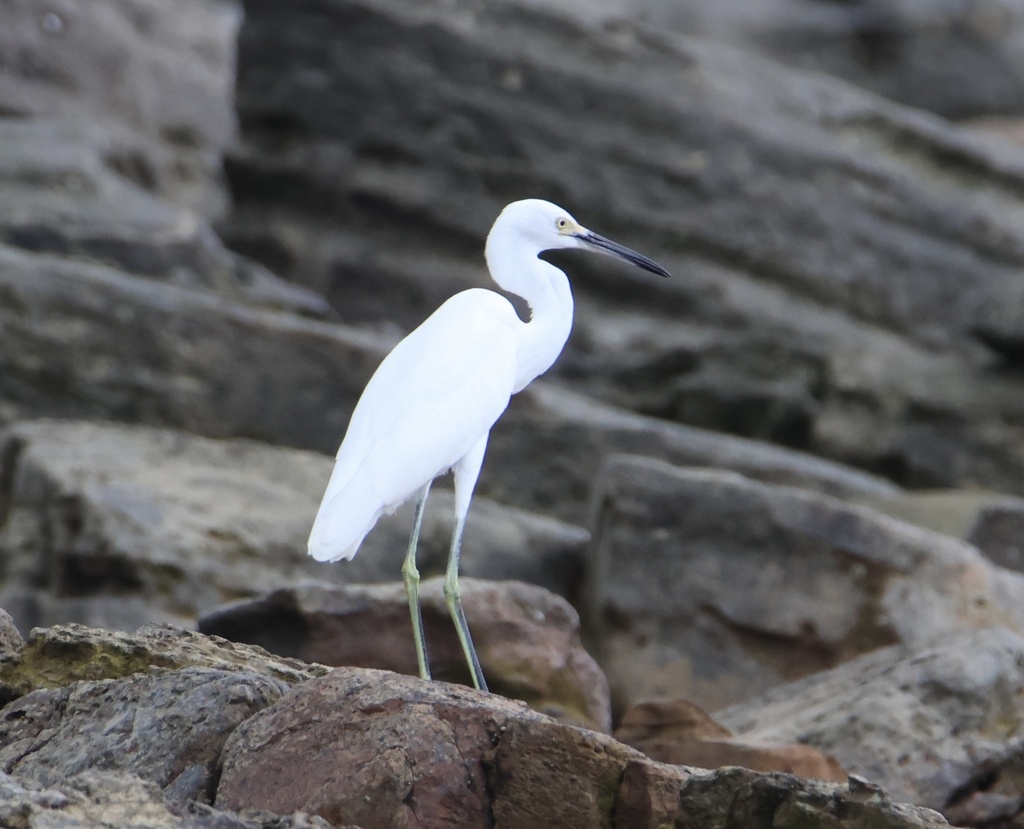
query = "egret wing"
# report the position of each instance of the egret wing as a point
(431, 399)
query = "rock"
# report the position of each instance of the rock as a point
(60, 656)
(715, 587)
(956, 59)
(528, 639)
(679, 732)
(101, 799)
(751, 799)
(405, 751)
(90, 341)
(998, 531)
(935, 727)
(161, 83)
(60, 193)
(992, 522)
(10, 637)
(559, 442)
(787, 323)
(400, 750)
(167, 728)
(120, 526)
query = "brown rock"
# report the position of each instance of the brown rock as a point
(407, 753)
(649, 794)
(387, 751)
(547, 774)
(527, 638)
(371, 748)
(678, 732)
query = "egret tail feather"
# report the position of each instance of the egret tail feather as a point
(342, 523)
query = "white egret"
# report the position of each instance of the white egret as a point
(430, 406)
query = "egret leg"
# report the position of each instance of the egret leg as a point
(411, 577)
(466, 472)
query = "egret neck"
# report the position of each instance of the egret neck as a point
(519, 270)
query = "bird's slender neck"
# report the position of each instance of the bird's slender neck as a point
(546, 290)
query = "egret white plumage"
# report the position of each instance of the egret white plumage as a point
(430, 405)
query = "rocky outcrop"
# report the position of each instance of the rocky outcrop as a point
(943, 727)
(60, 193)
(161, 83)
(956, 59)
(528, 640)
(59, 656)
(714, 587)
(118, 526)
(846, 269)
(167, 737)
(431, 754)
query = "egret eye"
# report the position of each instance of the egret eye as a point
(561, 224)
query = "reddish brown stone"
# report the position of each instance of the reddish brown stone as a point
(649, 795)
(678, 732)
(548, 774)
(528, 639)
(372, 748)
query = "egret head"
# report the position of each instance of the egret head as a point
(542, 226)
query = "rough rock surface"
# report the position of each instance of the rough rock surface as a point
(59, 656)
(119, 526)
(678, 732)
(426, 754)
(104, 799)
(992, 522)
(955, 58)
(711, 586)
(528, 639)
(167, 727)
(10, 637)
(787, 203)
(61, 194)
(160, 81)
(943, 727)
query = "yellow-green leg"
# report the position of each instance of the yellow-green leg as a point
(411, 577)
(466, 472)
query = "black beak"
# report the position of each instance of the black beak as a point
(607, 246)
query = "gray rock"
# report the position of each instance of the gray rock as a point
(163, 727)
(716, 588)
(559, 441)
(933, 727)
(991, 522)
(118, 526)
(954, 58)
(10, 637)
(998, 531)
(786, 203)
(60, 193)
(528, 639)
(160, 80)
(101, 799)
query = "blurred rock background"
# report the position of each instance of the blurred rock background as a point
(803, 451)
